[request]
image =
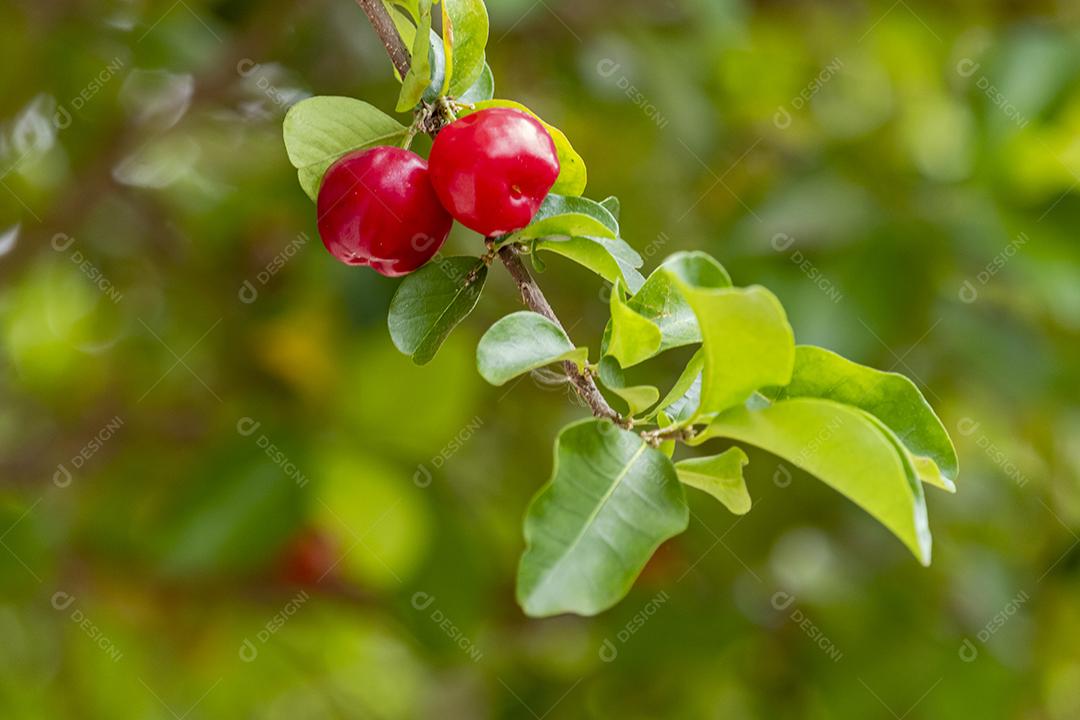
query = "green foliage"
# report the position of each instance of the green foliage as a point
(611, 501)
(746, 340)
(320, 130)
(638, 398)
(660, 300)
(890, 397)
(634, 338)
(569, 216)
(465, 34)
(846, 449)
(615, 494)
(482, 89)
(431, 302)
(719, 475)
(610, 258)
(418, 78)
(521, 342)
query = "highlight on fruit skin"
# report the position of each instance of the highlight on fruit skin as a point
(378, 208)
(492, 169)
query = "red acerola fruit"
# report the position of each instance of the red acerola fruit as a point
(377, 207)
(493, 168)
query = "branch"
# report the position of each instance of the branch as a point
(380, 19)
(531, 294)
(534, 299)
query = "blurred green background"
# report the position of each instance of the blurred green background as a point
(226, 495)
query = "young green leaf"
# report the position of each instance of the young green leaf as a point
(569, 216)
(482, 89)
(465, 32)
(844, 447)
(431, 302)
(321, 129)
(611, 259)
(612, 500)
(890, 397)
(719, 475)
(746, 337)
(572, 174)
(634, 338)
(659, 298)
(638, 398)
(522, 342)
(417, 80)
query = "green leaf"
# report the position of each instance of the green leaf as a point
(482, 89)
(612, 500)
(431, 302)
(465, 29)
(637, 397)
(890, 397)
(405, 18)
(418, 78)
(746, 337)
(634, 338)
(611, 259)
(321, 129)
(847, 449)
(719, 475)
(567, 216)
(572, 174)
(660, 300)
(685, 395)
(522, 342)
(439, 68)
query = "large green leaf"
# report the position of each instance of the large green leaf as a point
(611, 259)
(417, 80)
(746, 337)
(719, 475)
(890, 397)
(465, 34)
(321, 129)
(569, 216)
(634, 338)
(431, 302)
(522, 342)
(844, 447)
(572, 174)
(660, 300)
(612, 500)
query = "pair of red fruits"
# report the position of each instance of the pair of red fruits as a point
(389, 209)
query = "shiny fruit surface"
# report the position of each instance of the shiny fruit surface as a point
(377, 207)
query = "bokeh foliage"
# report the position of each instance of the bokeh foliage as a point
(170, 435)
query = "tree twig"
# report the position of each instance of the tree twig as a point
(531, 294)
(384, 27)
(534, 299)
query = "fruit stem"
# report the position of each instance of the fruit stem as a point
(531, 294)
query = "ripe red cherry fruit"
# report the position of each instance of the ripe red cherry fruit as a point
(377, 207)
(493, 168)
